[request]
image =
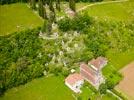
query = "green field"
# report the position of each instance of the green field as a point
(116, 62)
(17, 17)
(50, 88)
(80, 5)
(120, 60)
(114, 11)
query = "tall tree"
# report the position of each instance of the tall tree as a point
(33, 4)
(103, 88)
(45, 13)
(52, 12)
(44, 27)
(51, 5)
(46, 2)
(49, 27)
(58, 5)
(41, 8)
(72, 5)
(30, 2)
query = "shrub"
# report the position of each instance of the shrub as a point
(78, 23)
(65, 24)
(81, 22)
(79, 98)
(110, 85)
(65, 72)
(102, 88)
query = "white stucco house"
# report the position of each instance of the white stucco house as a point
(74, 82)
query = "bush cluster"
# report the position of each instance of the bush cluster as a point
(78, 23)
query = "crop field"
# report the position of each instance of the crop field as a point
(17, 17)
(126, 86)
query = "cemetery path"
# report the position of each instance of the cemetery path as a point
(99, 3)
(109, 91)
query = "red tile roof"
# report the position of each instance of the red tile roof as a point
(73, 78)
(88, 76)
(88, 69)
(91, 71)
(98, 63)
(88, 73)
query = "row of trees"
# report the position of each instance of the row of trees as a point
(10, 1)
(42, 6)
(49, 17)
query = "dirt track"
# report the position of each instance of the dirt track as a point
(127, 84)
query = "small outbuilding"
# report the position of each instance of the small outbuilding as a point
(74, 82)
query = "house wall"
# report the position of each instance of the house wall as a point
(103, 64)
(77, 84)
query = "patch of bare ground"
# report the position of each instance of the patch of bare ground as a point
(126, 86)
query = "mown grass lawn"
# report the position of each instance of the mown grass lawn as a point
(120, 60)
(49, 88)
(17, 17)
(117, 61)
(111, 73)
(114, 11)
